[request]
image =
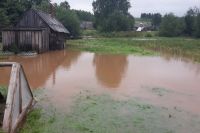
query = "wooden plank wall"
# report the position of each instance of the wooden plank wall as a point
(27, 40)
(8, 38)
(31, 19)
(45, 41)
(57, 41)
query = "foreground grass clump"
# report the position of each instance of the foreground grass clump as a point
(92, 113)
(4, 91)
(180, 47)
(39, 122)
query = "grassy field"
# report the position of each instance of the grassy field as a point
(96, 34)
(181, 47)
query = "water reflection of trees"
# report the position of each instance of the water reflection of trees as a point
(110, 69)
(39, 68)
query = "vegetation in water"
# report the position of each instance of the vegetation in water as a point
(106, 45)
(4, 91)
(103, 114)
(180, 47)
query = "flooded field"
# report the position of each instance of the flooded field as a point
(168, 83)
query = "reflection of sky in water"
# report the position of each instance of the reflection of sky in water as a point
(66, 73)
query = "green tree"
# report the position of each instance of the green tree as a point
(156, 20)
(65, 5)
(106, 14)
(189, 22)
(4, 21)
(69, 19)
(84, 15)
(171, 26)
(121, 22)
(43, 5)
(197, 26)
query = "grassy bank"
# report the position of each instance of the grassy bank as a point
(184, 47)
(92, 113)
(96, 34)
(108, 45)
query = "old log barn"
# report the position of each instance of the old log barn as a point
(36, 31)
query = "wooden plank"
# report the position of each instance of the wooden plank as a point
(40, 41)
(10, 125)
(9, 102)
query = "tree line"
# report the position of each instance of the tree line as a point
(189, 25)
(109, 16)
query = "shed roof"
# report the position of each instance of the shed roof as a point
(52, 22)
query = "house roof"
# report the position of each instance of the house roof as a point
(52, 22)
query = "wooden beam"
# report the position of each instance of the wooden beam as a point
(10, 123)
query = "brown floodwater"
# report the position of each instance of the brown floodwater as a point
(165, 80)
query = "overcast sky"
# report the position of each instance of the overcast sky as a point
(178, 7)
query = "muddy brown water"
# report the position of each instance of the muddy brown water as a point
(167, 81)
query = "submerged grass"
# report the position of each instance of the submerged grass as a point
(92, 113)
(180, 47)
(108, 45)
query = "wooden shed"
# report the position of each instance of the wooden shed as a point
(36, 31)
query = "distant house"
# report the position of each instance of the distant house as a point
(140, 27)
(35, 31)
(87, 25)
(143, 26)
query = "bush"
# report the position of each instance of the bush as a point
(171, 26)
(69, 20)
(117, 22)
(148, 34)
(197, 26)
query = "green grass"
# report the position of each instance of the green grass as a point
(92, 113)
(180, 47)
(1, 48)
(4, 90)
(108, 45)
(96, 34)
